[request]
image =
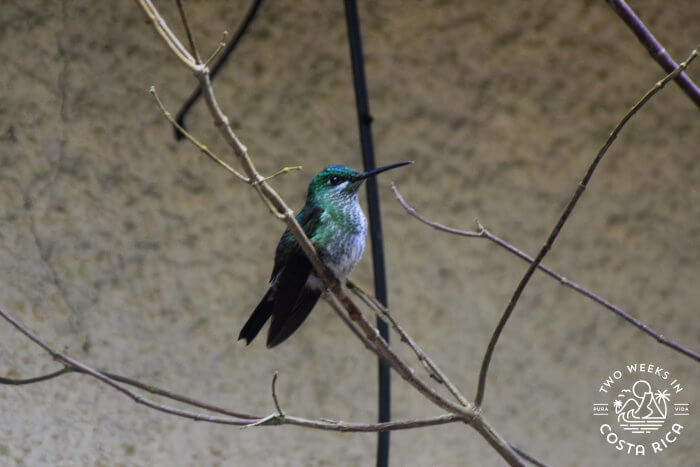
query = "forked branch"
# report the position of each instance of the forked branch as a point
(483, 233)
(231, 417)
(467, 414)
(461, 410)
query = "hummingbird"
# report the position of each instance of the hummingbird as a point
(336, 226)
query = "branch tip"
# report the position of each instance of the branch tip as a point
(274, 395)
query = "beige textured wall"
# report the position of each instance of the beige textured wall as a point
(132, 253)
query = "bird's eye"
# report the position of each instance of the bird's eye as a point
(334, 180)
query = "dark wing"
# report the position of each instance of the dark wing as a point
(281, 329)
(286, 300)
(309, 218)
(293, 299)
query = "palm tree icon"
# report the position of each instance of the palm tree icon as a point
(661, 398)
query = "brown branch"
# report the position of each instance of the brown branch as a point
(372, 427)
(285, 213)
(458, 413)
(202, 147)
(349, 323)
(468, 414)
(282, 211)
(37, 379)
(483, 233)
(388, 354)
(176, 397)
(219, 47)
(654, 47)
(532, 460)
(71, 363)
(234, 418)
(217, 60)
(188, 31)
(221, 121)
(274, 395)
(171, 41)
(562, 220)
(431, 367)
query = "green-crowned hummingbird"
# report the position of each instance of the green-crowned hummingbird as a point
(334, 222)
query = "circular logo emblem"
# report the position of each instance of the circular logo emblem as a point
(641, 409)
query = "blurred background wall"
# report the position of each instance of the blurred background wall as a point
(133, 253)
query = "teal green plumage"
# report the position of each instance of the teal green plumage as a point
(336, 226)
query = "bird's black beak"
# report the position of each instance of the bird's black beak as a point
(373, 172)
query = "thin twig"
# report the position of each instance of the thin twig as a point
(135, 383)
(202, 147)
(271, 197)
(483, 233)
(431, 367)
(655, 49)
(403, 369)
(372, 427)
(37, 379)
(562, 220)
(208, 152)
(274, 395)
(109, 381)
(222, 122)
(275, 418)
(176, 397)
(188, 32)
(219, 47)
(223, 55)
(468, 415)
(349, 323)
(171, 41)
(74, 366)
(528, 457)
(281, 171)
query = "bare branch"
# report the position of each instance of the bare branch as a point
(431, 367)
(176, 397)
(109, 381)
(37, 379)
(188, 31)
(341, 314)
(202, 147)
(274, 201)
(74, 366)
(173, 44)
(373, 427)
(219, 47)
(655, 49)
(436, 225)
(274, 395)
(562, 220)
(281, 171)
(483, 233)
(222, 123)
(467, 414)
(223, 53)
(532, 460)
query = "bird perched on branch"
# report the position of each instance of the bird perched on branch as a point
(334, 222)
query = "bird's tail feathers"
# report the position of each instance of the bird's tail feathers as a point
(284, 324)
(258, 318)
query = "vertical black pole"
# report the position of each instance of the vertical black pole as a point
(375, 225)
